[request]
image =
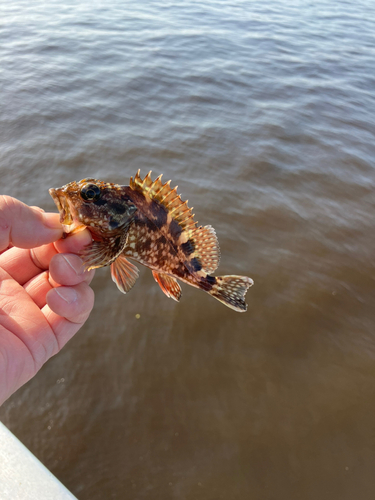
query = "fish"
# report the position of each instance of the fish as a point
(147, 222)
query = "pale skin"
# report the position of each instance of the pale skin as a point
(45, 295)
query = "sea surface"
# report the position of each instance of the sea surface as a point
(263, 113)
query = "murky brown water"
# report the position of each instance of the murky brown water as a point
(263, 114)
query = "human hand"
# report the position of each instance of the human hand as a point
(44, 292)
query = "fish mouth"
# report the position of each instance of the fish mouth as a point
(68, 214)
(62, 205)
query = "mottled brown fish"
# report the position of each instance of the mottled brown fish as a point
(148, 222)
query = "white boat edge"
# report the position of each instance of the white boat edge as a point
(23, 476)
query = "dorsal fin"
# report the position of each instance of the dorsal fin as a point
(165, 196)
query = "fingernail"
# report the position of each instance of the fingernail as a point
(67, 294)
(52, 221)
(75, 263)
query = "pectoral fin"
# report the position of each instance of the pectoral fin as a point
(124, 274)
(169, 285)
(96, 254)
(103, 252)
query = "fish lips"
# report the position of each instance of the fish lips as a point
(67, 212)
(62, 206)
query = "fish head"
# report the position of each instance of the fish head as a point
(100, 206)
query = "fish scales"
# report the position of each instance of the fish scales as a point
(147, 222)
(154, 239)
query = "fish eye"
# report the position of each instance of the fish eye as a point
(90, 192)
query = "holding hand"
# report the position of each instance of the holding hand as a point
(45, 296)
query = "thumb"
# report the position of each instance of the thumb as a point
(26, 227)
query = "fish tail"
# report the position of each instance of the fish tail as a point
(231, 291)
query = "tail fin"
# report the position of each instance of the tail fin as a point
(231, 291)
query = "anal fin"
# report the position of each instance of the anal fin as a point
(169, 285)
(124, 274)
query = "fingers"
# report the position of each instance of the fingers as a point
(73, 303)
(23, 319)
(38, 287)
(25, 227)
(74, 243)
(65, 269)
(68, 269)
(26, 250)
(67, 309)
(23, 265)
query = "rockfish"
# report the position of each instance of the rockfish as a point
(149, 223)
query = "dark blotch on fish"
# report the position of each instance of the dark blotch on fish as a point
(188, 247)
(159, 214)
(175, 229)
(195, 264)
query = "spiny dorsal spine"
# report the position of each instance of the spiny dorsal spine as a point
(165, 196)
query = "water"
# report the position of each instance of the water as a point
(263, 114)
